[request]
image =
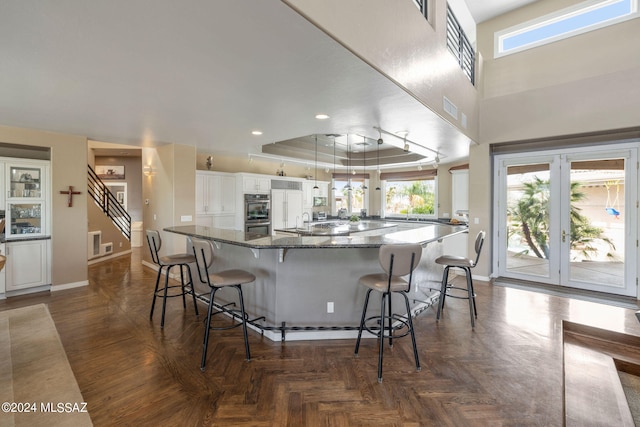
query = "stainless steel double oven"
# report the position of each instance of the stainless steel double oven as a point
(257, 213)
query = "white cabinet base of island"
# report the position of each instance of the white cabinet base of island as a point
(313, 292)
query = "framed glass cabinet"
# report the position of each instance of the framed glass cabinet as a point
(26, 199)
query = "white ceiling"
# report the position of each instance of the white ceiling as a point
(482, 10)
(198, 72)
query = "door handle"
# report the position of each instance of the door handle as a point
(564, 236)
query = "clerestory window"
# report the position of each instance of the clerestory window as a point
(577, 19)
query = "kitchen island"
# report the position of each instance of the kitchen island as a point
(307, 286)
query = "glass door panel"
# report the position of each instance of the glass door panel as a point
(25, 182)
(24, 218)
(527, 219)
(594, 232)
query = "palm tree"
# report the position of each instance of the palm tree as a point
(531, 214)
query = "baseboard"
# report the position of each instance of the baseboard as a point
(25, 291)
(105, 258)
(69, 286)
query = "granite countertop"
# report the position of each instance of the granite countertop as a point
(421, 233)
(337, 228)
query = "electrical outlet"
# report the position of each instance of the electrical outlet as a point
(330, 307)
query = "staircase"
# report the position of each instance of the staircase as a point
(109, 204)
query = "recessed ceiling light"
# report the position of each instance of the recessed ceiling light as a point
(256, 132)
(322, 116)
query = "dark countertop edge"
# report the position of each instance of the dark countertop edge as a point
(296, 243)
(3, 239)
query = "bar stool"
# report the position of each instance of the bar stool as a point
(466, 264)
(397, 260)
(203, 251)
(168, 262)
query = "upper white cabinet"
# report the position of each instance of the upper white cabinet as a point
(215, 193)
(459, 191)
(310, 192)
(27, 194)
(255, 184)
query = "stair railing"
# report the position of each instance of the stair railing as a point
(109, 204)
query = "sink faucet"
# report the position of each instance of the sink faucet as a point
(297, 218)
(308, 220)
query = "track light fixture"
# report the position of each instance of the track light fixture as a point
(315, 187)
(334, 164)
(364, 161)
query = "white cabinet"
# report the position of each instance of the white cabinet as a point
(27, 264)
(286, 208)
(25, 198)
(215, 193)
(459, 191)
(26, 204)
(2, 272)
(255, 184)
(310, 192)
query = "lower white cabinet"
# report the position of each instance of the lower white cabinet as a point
(28, 264)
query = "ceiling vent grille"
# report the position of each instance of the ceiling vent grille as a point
(450, 107)
(280, 184)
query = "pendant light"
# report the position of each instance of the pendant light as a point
(315, 187)
(364, 163)
(334, 164)
(348, 186)
(378, 158)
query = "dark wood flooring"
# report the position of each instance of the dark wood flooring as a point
(508, 371)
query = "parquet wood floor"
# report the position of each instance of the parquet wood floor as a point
(508, 371)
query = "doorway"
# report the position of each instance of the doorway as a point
(569, 218)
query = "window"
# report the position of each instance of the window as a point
(353, 198)
(578, 19)
(459, 46)
(410, 193)
(422, 7)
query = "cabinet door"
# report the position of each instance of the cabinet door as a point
(27, 217)
(26, 180)
(307, 188)
(249, 184)
(294, 208)
(252, 184)
(27, 264)
(278, 213)
(264, 185)
(459, 191)
(324, 189)
(227, 194)
(205, 191)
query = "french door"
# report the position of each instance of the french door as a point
(569, 218)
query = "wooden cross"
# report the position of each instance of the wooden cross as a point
(70, 193)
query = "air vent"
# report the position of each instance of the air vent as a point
(450, 107)
(281, 184)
